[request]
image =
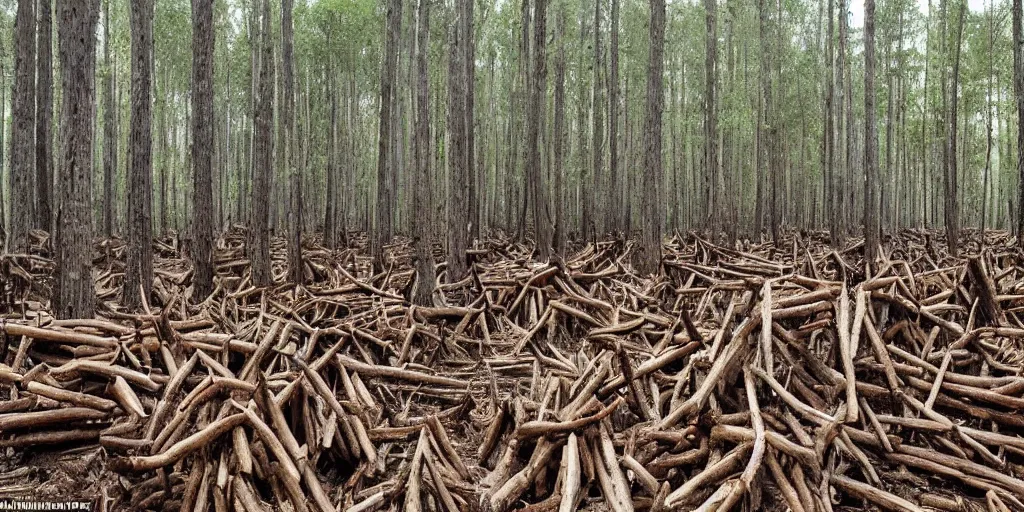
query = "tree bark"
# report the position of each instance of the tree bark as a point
(714, 188)
(614, 185)
(288, 127)
(165, 137)
(139, 260)
(331, 207)
(74, 296)
(458, 223)
(581, 206)
(3, 130)
(538, 98)
(1018, 89)
(202, 146)
(382, 230)
(871, 207)
(44, 116)
(650, 255)
(263, 154)
(843, 126)
(558, 133)
(769, 132)
(599, 216)
(109, 128)
(951, 207)
(988, 121)
(23, 106)
(476, 192)
(830, 132)
(421, 219)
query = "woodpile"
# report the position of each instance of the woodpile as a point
(764, 377)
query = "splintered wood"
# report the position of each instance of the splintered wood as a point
(762, 378)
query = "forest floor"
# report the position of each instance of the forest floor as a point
(764, 376)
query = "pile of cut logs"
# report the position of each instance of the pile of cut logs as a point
(760, 377)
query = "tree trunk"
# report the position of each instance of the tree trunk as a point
(263, 155)
(988, 121)
(165, 138)
(44, 116)
(583, 206)
(287, 103)
(871, 207)
(74, 296)
(3, 130)
(844, 126)
(830, 132)
(23, 107)
(770, 130)
(139, 265)
(614, 201)
(109, 128)
(421, 219)
(332, 196)
(761, 136)
(202, 146)
(951, 208)
(458, 223)
(476, 192)
(599, 216)
(224, 170)
(714, 220)
(538, 98)
(382, 230)
(925, 175)
(558, 133)
(650, 255)
(1018, 89)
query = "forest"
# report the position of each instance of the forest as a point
(538, 255)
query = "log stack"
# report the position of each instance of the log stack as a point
(757, 377)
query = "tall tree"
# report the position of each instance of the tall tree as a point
(535, 174)
(988, 119)
(469, 61)
(202, 145)
(44, 116)
(109, 127)
(458, 203)
(288, 125)
(952, 212)
(1018, 89)
(74, 296)
(761, 158)
(523, 106)
(382, 229)
(139, 261)
(832, 184)
(592, 225)
(650, 256)
(558, 134)
(843, 126)
(768, 139)
(332, 207)
(421, 219)
(263, 157)
(584, 207)
(3, 115)
(871, 206)
(712, 170)
(614, 188)
(23, 117)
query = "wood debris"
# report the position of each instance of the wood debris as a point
(762, 378)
